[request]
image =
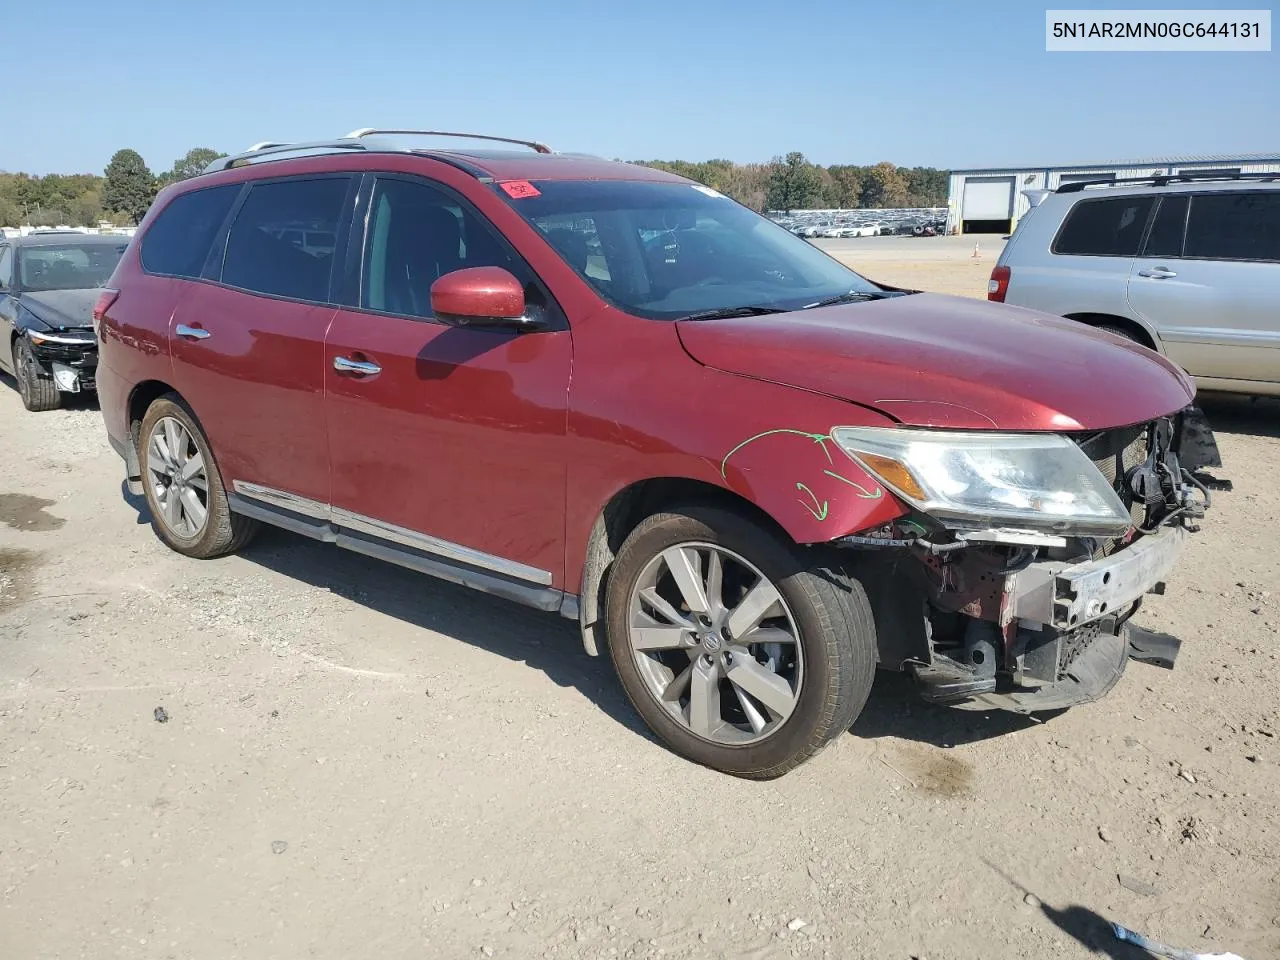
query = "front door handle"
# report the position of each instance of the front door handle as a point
(362, 368)
(1157, 273)
(191, 333)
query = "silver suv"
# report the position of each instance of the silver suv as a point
(1187, 266)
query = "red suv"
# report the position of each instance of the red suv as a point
(749, 473)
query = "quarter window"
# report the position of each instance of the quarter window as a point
(1104, 228)
(267, 250)
(177, 243)
(1234, 226)
(6, 268)
(1166, 232)
(417, 233)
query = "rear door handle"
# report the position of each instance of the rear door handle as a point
(361, 367)
(191, 333)
(1157, 273)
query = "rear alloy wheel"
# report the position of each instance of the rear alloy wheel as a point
(183, 487)
(733, 651)
(39, 393)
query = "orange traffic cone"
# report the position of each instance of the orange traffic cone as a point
(977, 252)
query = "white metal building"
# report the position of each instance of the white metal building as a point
(991, 200)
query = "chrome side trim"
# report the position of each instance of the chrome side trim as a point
(279, 498)
(317, 528)
(440, 548)
(382, 530)
(540, 598)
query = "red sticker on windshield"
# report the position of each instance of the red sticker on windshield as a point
(519, 189)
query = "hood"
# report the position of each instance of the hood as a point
(63, 308)
(936, 361)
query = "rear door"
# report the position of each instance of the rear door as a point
(248, 347)
(454, 443)
(1089, 260)
(1208, 280)
(8, 306)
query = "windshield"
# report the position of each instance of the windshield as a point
(667, 250)
(68, 266)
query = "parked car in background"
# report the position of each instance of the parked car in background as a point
(49, 282)
(860, 230)
(750, 474)
(1186, 265)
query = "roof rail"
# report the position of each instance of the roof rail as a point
(270, 150)
(1164, 179)
(374, 131)
(366, 138)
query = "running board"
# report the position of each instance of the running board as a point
(530, 595)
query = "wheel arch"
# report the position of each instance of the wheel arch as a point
(623, 513)
(143, 394)
(1140, 330)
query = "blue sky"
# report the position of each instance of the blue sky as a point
(942, 84)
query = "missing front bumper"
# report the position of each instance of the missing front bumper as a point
(1057, 634)
(1066, 596)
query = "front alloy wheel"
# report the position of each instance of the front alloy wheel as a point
(715, 643)
(744, 652)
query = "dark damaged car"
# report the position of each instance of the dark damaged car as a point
(48, 285)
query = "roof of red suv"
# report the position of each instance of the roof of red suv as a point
(520, 165)
(499, 164)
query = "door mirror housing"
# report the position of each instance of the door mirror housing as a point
(480, 297)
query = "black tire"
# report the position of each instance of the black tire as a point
(223, 532)
(831, 612)
(1122, 333)
(38, 393)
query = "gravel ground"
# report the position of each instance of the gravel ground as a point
(356, 761)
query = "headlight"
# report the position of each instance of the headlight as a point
(976, 480)
(73, 339)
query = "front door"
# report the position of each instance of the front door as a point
(249, 349)
(451, 440)
(1211, 287)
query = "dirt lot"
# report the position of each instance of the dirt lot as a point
(360, 762)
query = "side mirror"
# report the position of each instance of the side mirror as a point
(481, 297)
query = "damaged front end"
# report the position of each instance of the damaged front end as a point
(68, 357)
(1033, 619)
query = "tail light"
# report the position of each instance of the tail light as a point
(105, 300)
(998, 285)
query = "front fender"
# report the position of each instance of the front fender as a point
(765, 442)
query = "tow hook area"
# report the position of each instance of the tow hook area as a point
(1153, 647)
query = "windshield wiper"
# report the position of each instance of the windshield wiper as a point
(852, 296)
(724, 313)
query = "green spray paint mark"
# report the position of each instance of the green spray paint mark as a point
(862, 491)
(818, 509)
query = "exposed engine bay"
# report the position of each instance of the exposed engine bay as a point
(1027, 620)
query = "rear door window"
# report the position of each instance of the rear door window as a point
(1104, 228)
(177, 243)
(1234, 226)
(6, 268)
(266, 248)
(1165, 239)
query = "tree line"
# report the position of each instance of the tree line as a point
(120, 195)
(791, 182)
(125, 190)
